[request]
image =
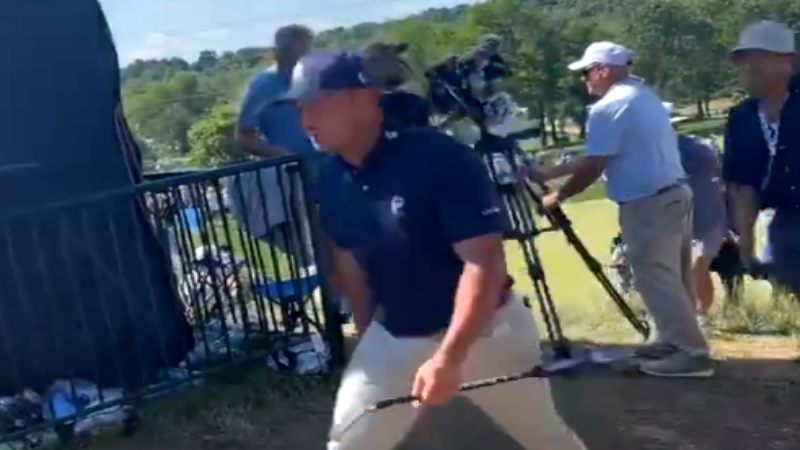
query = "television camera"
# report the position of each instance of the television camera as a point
(466, 87)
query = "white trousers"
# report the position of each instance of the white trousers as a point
(383, 366)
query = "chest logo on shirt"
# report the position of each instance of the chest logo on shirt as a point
(397, 204)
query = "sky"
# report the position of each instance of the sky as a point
(164, 28)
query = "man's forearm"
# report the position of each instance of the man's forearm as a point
(253, 145)
(479, 292)
(585, 174)
(349, 280)
(561, 170)
(745, 211)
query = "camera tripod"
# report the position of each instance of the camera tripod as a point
(518, 197)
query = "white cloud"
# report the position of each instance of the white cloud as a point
(162, 45)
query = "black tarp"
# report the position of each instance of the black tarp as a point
(84, 290)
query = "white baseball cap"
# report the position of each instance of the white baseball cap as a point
(766, 35)
(605, 53)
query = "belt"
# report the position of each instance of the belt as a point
(668, 188)
(663, 190)
(379, 315)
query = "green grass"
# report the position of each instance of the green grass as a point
(585, 307)
(703, 127)
(226, 232)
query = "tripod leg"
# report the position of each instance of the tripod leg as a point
(560, 221)
(526, 226)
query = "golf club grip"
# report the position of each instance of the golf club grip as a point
(536, 372)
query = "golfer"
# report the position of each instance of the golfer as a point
(631, 139)
(761, 162)
(418, 252)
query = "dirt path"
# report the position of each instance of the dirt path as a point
(753, 404)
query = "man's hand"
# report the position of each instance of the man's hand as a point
(437, 380)
(755, 267)
(551, 200)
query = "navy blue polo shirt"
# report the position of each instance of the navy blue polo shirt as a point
(418, 193)
(747, 160)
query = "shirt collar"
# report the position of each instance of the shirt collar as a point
(378, 152)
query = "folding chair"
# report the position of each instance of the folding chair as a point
(294, 299)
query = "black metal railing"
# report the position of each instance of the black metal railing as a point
(122, 295)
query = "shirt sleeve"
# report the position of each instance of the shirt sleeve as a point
(739, 166)
(465, 197)
(255, 98)
(605, 126)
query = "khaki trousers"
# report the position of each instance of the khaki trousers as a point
(658, 233)
(384, 366)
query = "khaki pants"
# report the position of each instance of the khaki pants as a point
(384, 366)
(658, 233)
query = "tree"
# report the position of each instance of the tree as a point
(681, 49)
(211, 138)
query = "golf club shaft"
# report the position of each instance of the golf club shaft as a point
(536, 372)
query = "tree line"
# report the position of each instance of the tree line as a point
(183, 111)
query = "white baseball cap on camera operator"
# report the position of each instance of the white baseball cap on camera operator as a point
(603, 53)
(768, 36)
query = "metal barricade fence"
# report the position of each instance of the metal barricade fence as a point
(122, 295)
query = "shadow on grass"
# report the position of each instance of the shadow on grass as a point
(753, 403)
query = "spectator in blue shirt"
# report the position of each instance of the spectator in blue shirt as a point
(709, 220)
(268, 204)
(761, 162)
(418, 252)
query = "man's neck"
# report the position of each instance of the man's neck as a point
(285, 65)
(362, 145)
(614, 82)
(771, 102)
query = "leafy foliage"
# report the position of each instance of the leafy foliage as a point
(681, 47)
(211, 138)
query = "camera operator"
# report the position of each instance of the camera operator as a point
(418, 253)
(631, 139)
(401, 107)
(485, 61)
(761, 163)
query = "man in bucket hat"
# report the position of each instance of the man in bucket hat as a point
(761, 163)
(418, 253)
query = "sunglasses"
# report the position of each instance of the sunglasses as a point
(585, 72)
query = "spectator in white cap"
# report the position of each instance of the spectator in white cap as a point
(761, 163)
(631, 140)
